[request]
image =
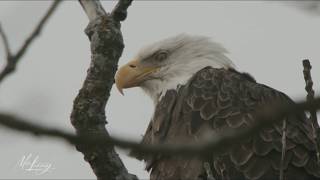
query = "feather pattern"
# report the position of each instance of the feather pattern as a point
(220, 99)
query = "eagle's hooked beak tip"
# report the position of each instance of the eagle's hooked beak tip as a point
(121, 91)
(126, 76)
(119, 87)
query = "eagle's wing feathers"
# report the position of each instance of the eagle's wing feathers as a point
(227, 99)
(216, 99)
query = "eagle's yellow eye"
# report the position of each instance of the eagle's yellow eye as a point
(161, 55)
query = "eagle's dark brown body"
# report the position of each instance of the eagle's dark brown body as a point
(218, 99)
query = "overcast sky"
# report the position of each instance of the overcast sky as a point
(266, 39)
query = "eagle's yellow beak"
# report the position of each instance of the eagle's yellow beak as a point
(132, 74)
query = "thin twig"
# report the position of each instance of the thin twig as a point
(13, 59)
(24, 125)
(309, 83)
(283, 152)
(5, 43)
(265, 116)
(310, 97)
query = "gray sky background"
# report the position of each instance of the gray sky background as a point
(266, 39)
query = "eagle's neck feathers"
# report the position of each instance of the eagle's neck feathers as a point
(179, 75)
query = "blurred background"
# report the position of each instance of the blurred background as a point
(266, 39)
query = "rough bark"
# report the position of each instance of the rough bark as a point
(88, 115)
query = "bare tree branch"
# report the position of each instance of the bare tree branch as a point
(88, 114)
(93, 9)
(310, 97)
(119, 13)
(265, 115)
(13, 59)
(309, 83)
(24, 125)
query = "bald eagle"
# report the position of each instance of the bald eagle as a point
(196, 89)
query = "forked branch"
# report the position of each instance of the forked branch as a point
(13, 59)
(88, 114)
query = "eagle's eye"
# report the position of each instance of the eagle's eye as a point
(161, 55)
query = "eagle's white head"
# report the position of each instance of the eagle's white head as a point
(168, 63)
